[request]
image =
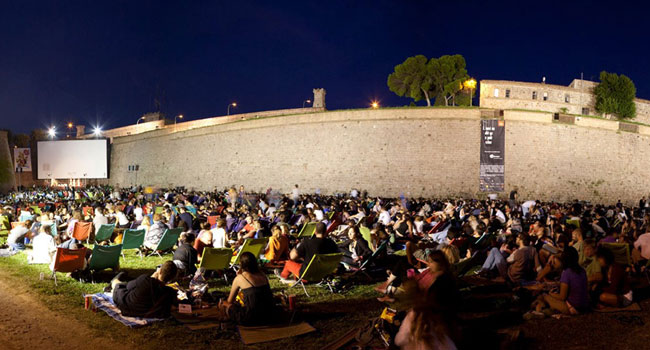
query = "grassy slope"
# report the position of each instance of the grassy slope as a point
(331, 314)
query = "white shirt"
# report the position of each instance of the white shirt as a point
(44, 249)
(218, 237)
(384, 217)
(138, 213)
(319, 215)
(99, 220)
(643, 243)
(122, 219)
(295, 194)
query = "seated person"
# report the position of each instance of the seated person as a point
(17, 235)
(524, 261)
(43, 247)
(146, 296)
(355, 249)
(219, 235)
(185, 256)
(253, 288)
(590, 263)
(614, 289)
(278, 248)
(573, 297)
(320, 243)
(155, 233)
(204, 239)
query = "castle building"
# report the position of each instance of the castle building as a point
(577, 98)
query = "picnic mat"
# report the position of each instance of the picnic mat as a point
(254, 335)
(105, 303)
(631, 307)
(201, 318)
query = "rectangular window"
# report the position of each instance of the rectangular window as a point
(496, 92)
(585, 111)
(566, 98)
(545, 97)
(507, 93)
(534, 95)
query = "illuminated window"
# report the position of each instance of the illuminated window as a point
(496, 92)
(545, 97)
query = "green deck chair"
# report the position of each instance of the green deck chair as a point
(216, 259)
(105, 257)
(104, 233)
(132, 239)
(621, 252)
(167, 241)
(307, 230)
(320, 266)
(365, 233)
(37, 210)
(4, 223)
(252, 245)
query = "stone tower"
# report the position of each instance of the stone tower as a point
(7, 176)
(319, 98)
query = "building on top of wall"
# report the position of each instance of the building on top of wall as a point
(577, 98)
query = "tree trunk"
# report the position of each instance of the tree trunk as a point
(426, 96)
(447, 100)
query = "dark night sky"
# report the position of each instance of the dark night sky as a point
(106, 61)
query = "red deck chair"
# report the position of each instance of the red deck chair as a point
(333, 225)
(86, 211)
(81, 230)
(68, 260)
(212, 220)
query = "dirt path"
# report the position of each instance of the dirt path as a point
(25, 323)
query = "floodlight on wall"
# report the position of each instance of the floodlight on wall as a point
(51, 132)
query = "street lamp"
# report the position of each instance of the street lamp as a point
(180, 116)
(51, 132)
(305, 101)
(234, 104)
(471, 85)
(374, 104)
(139, 119)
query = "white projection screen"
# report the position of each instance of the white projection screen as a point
(73, 159)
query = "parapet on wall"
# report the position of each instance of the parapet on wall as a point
(415, 151)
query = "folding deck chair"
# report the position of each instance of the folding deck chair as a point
(216, 259)
(68, 260)
(81, 230)
(307, 230)
(104, 233)
(621, 252)
(167, 241)
(320, 266)
(252, 245)
(105, 257)
(365, 233)
(132, 239)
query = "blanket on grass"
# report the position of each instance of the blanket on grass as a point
(105, 303)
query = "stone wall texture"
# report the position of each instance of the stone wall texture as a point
(415, 151)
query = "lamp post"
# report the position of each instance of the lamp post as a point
(180, 116)
(305, 101)
(139, 119)
(51, 132)
(234, 104)
(374, 105)
(471, 85)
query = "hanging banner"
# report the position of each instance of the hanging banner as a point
(492, 173)
(22, 159)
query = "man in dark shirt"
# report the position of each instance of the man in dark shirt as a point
(318, 244)
(185, 256)
(147, 296)
(185, 216)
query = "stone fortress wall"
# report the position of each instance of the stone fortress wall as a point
(577, 98)
(389, 151)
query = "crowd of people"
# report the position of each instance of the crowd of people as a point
(566, 254)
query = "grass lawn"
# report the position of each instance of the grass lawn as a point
(331, 314)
